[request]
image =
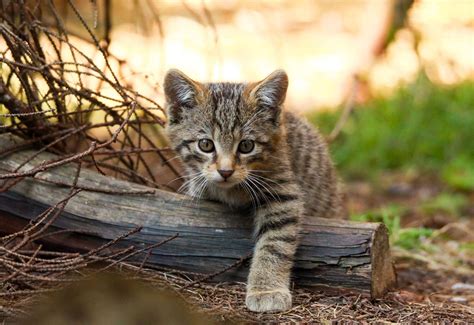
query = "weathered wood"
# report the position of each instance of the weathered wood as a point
(332, 253)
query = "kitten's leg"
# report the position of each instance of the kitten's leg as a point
(277, 226)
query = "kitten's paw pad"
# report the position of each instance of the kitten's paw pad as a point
(272, 300)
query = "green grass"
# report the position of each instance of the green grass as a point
(450, 203)
(407, 238)
(467, 247)
(422, 126)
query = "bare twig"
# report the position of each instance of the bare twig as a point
(346, 112)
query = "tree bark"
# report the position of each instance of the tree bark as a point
(333, 253)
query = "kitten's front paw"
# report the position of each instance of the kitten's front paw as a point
(272, 300)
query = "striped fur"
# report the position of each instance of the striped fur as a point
(288, 174)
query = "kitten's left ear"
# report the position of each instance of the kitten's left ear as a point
(181, 93)
(271, 91)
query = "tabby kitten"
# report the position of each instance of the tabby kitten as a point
(240, 148)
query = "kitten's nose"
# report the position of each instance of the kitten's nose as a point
(225, 173)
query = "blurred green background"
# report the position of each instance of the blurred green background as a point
(422, 127)
(408, 161)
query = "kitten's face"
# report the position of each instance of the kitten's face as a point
(224, 132)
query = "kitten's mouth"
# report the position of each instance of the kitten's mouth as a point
(226, 183)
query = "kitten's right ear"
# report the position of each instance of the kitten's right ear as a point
(180, 92)
(270, 91)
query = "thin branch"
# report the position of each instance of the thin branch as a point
(346, 112)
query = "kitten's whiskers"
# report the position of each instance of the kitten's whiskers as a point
(181, 177)
(257, 187)
(253, 194)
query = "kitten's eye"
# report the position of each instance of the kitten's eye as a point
(206, 145)
(245, 146)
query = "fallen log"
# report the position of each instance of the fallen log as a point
(332, 253)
